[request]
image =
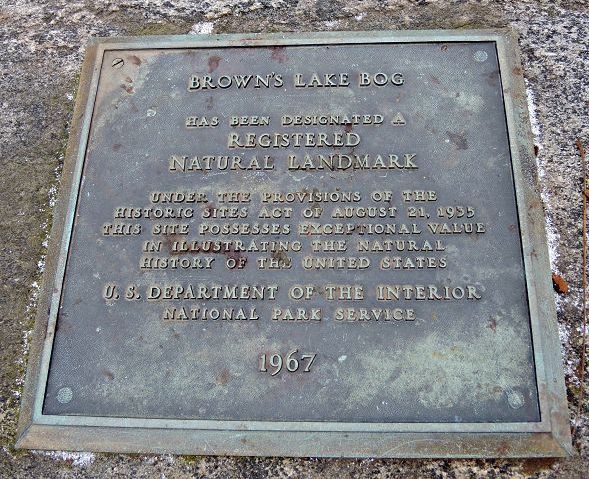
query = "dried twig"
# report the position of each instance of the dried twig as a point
(584, 273)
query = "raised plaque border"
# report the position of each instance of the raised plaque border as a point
(548, 438)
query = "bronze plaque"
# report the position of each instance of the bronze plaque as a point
(278, 245)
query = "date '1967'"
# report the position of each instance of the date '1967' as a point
(275, 363)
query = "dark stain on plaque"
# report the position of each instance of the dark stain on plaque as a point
(278, 54)
(458, 140)
(213, 63)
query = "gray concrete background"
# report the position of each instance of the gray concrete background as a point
(41, 51)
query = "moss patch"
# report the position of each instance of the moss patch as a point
(163, 28)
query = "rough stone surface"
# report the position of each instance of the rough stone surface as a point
(42, 48)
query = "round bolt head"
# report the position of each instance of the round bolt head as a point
(65, 395)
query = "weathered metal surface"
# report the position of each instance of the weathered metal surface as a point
(472, 351)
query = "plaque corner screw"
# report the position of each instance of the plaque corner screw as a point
(118, 63)
(65, 395)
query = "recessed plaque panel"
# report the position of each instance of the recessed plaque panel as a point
(277, 245)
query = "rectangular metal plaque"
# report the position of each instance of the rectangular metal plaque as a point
(318, 245)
